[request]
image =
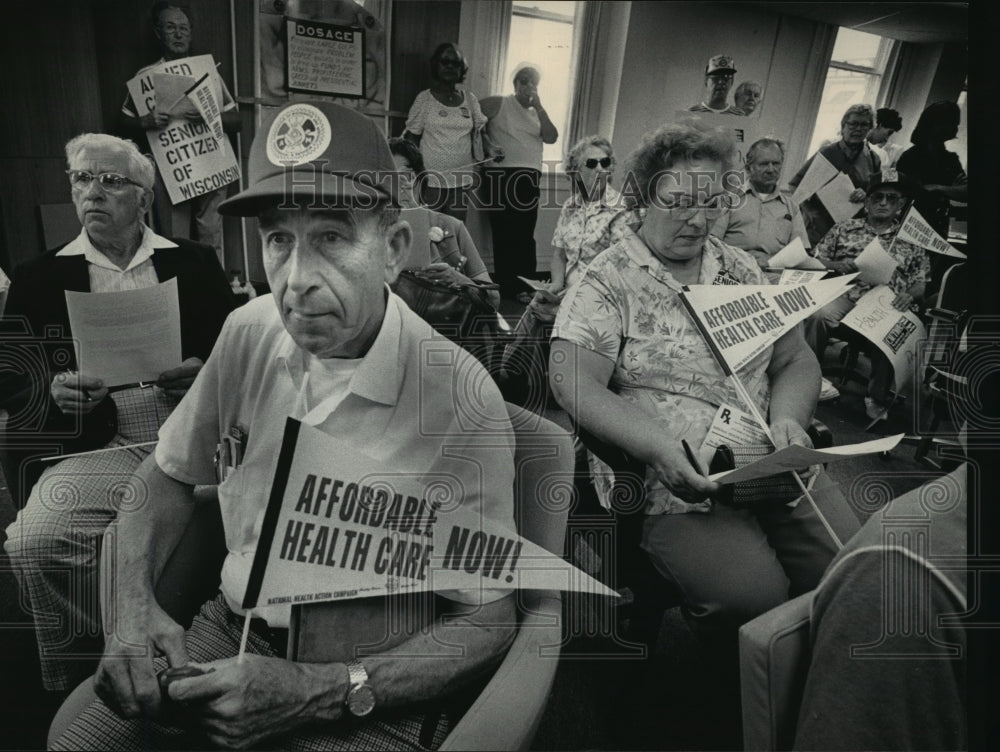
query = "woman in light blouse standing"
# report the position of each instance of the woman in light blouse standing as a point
(443, 122)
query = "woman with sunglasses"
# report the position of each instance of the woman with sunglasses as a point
(629, 364)
(443, 122)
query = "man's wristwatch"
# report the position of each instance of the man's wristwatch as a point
(360, 697)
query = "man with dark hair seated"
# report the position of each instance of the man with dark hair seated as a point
(54, 409)
(332, 347)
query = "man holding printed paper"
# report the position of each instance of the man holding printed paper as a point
(183, 206)
(872, 236)
(66, 402)
(335, 349)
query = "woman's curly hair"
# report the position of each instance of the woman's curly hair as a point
(669, 145)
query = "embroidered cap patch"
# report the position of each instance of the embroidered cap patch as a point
(298, 135)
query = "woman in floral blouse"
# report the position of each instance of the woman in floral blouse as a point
(464, 264)
(632, 368)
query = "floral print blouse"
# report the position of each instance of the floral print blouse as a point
(626, 308)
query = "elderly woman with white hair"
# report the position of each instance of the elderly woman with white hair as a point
(57, 408)
(851, 156)
(518, 125)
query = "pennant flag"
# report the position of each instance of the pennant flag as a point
(916, 230)
(203, 97)
(339, 525)
(740, 321)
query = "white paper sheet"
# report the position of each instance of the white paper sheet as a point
(835, 196)
(875, 265)
(797, 457)
(820, 173)
(734, 427)
(125, 337)
(794, 256)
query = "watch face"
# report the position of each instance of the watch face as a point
(361, 700)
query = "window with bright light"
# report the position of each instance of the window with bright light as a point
(856, 69)
(541, 32)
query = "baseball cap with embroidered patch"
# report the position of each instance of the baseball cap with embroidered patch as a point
(720, 64)
(316, 155)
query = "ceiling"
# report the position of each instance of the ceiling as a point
(922, 23)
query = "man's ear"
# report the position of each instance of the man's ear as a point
(145, 200)
(399, 237)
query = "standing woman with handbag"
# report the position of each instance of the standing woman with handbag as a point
(445, 122)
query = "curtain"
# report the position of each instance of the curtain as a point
(483, 32)
(598, 52)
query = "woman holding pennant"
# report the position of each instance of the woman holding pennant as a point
(629, 363)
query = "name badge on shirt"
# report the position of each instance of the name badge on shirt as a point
(725, 277)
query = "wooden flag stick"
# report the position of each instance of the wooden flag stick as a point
(745, 396)
(243, 638)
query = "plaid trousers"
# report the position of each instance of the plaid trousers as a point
(215, 633)
(55, 543)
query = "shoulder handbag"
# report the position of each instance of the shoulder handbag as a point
(461, 312)
(760, 493)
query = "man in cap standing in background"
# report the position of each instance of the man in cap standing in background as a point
(334, 348)
(718, 81)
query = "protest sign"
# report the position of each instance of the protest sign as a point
(820, 172)
(875, 265)
(795, 457)
(794, 256)
(800, 276)
(740, 321)
(190, 158)
(325, 58)
(339, 525)
(916, 230)
(203, 97)
(896, 333)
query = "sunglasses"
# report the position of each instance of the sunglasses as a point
(111, 181)
(604, 162)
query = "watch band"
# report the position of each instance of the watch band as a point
(356, 673)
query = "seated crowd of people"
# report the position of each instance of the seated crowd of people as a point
(335, 347)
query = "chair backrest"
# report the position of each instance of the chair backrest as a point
(59, 224)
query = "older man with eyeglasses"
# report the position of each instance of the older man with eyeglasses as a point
(54, 410)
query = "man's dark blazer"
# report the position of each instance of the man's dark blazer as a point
(35, 345)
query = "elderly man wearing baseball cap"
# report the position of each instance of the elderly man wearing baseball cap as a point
(333, 347)
(885, 202)
(718, 81)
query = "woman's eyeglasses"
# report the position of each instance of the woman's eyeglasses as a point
(604, 162)
(111, 181)
(890, 198)
(686, 206)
